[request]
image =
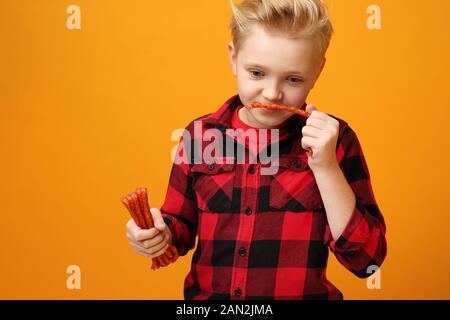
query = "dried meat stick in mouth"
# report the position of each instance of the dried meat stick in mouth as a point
(272, 106)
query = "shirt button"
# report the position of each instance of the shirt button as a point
(242, 252)
(251, 170)
(211, 166)
(248, 211)
(237, 292)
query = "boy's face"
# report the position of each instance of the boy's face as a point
(272, 68)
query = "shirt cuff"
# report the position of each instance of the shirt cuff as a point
(355, 234)
(176, 230)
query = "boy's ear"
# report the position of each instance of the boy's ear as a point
(232, 54)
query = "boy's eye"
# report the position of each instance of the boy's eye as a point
(295, 80)
(256, 73)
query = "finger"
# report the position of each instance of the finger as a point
(132, 227)
(316, 123)
(146, 234)
(160, 252)
(310, 108)
(144, 244)
(145, 252)
(132, 230)
(158, 219)
(152, 242)
(308, 142)
(308, 131)
(156, 248)
(333, 126)
(139, 250)
(315, 112)
(131, 238)
(320, 115)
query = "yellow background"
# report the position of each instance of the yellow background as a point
(86, 117)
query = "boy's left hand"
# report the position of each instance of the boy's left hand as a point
(320, 134)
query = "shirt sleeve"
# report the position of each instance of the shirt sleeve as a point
(362, 244)
(179, 209)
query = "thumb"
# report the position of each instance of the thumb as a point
(158, 219)
(310, 108)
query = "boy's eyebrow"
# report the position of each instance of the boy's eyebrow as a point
(256, 65)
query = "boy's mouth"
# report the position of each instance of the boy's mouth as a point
(275, 107)
(268, 111)
(263, 109)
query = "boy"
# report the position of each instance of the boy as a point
(266, 236)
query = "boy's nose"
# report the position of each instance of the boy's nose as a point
(272, 94)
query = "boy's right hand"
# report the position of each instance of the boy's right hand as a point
(151, 242)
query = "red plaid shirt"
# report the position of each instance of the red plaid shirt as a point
(267, 236)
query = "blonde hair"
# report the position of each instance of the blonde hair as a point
(295, 18)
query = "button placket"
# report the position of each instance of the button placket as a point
(246, 228)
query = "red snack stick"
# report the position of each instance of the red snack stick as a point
(139, 219)
(126, 203)
(139, 213)
(171, 254)
(137, 205)
(279, 107)
(156, 265)
(272, 106)
(143, 203)
(144, 212)
(132, 205)
(164, 259)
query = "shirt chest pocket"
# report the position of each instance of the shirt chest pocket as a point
(293, 188)
(213, 185)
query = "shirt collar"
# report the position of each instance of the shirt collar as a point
(221, 119)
